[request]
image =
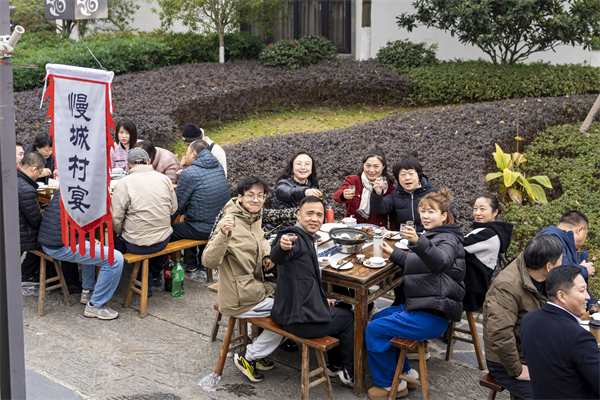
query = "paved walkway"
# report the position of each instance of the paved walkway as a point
(164, 356)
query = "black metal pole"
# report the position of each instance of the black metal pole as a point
(12, 357)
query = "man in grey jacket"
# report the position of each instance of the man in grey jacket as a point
(143, 202)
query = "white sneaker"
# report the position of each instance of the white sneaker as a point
(86, 296)
(402, 389)
(102, 312)
(412, 374)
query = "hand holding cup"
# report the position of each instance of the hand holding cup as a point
(226, 226)
(409, 233)
(287, 241)
(379, 185)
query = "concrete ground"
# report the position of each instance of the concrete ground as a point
(164, 355)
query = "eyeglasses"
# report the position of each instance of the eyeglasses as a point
(251, 197)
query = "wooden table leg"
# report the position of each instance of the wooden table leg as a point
(361, 315)
(42, 288)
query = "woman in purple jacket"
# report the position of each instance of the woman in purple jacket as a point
(125, 136)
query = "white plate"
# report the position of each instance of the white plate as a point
(403, 244)
(328, 227)
(367, 264)
(395, 235)
(323, 237)
(41, 186)
(348, 265)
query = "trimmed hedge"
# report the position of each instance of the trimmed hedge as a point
(401, 55)
(162, 101)
(293, 54)
(467, 81)
(128, 52)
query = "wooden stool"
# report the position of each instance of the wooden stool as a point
(173, 248)
(489, 382)
(318, 344)
(240, 341)
(452, 329)
(44, 281)
(404, 345)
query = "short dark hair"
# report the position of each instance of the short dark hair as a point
(19, 144)
(310, 199)
(288, 170)
(561, 278)
(41, 140)
(199, 145)
(148, 146)
(492, 201)
(246, 184)
(408, 163)
(541, 250)
(33, 159)
(130, 127)
(574, 218)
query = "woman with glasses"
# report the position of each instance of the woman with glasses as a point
(404, 201)
(297, 180)
(356, 191)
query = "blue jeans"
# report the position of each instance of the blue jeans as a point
(395, 322)
(109, 275)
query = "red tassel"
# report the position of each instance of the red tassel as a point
(111, 244)
(73, 241)
(102, 242)
(82, 242)
(93, 243)
(64, 223)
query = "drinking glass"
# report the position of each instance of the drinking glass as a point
(231, 218)
(292, 237)
(353, 189)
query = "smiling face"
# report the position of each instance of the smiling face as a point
(302, 168)
(409, 179)
(310, 216)
(253, 199)
(124, 136)
(373, 168)
(482, 211)
(576, 300)
(431, 217)
(45, 151)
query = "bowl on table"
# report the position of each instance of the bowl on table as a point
(349, 222)
(323, 262)
(50, 190)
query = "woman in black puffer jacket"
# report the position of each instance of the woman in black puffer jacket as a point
(431, 294)
(297, 180)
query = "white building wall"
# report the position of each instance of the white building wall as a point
(145, 20)
(384, 29)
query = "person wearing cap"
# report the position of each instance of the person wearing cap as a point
(191, 133)
(143, 202)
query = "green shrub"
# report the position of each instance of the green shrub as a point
(401, 55)
(460, 81)
(128, 52)
(293, 54)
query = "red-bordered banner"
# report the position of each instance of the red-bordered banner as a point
(80, 111)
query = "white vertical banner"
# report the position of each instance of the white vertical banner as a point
(80, 109)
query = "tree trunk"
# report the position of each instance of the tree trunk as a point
(365, 43)
(222, 45)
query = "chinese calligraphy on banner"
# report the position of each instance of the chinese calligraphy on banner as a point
(80, 110)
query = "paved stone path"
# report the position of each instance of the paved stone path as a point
(164, 355)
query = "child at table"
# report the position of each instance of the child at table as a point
(431, 292)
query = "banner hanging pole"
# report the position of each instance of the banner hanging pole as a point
(12, 357)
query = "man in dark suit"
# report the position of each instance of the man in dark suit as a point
(563, 358)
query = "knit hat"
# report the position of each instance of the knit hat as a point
(191, 132)
(137, 153)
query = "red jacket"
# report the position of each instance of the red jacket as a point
(353, 204)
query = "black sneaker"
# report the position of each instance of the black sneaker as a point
(289, 345)
(157, 281)
(333, 370)
(262, 364)
(191, 267)
(247, 368)
(347, 377)
(32, 280)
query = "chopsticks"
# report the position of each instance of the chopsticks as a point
(339, 266)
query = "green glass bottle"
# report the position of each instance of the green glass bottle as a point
(178, 272)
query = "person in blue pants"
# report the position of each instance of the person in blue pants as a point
(431, 292)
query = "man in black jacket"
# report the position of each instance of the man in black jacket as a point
(301, 306)
(562, 357)
(30, 214)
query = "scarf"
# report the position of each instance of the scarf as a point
(365, 201)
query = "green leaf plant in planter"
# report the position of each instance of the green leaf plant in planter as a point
(514, 181)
